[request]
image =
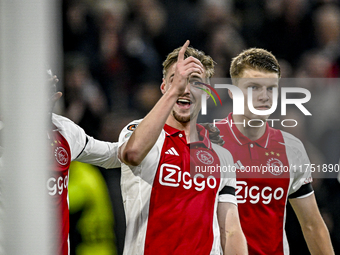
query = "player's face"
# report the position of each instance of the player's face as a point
(188, 104)
(262, 84)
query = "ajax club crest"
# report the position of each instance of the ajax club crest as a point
(61, 156)
(205, 157)
(275, 166)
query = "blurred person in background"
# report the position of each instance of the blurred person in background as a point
(327, 30)
(85, 102)
(219, 34)
(110, 65)
(218, 31)
(79, 27)
(287, 28)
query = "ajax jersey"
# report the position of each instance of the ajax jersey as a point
(57, 189)
(69, 142)
(170, 206)
(268, 173)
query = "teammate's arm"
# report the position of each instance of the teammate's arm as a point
(313, 227)
(85, 148)
(233, 240)
(146, 134)
(93, 151)
(99, 153)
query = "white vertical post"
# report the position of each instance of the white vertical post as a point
(24, 44)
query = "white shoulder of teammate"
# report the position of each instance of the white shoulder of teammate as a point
(293, 143)
(295, 150)
(228, 173)
(85, 148)
(299, 162)
(225, 156)
(74, 135)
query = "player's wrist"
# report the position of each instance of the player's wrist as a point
(172, 94)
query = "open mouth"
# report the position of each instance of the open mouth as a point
(184, 103)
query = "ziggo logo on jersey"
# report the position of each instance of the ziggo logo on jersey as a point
(254, 193)
(171, 175)
(57, 185)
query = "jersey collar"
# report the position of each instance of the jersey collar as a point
(169, 130)
(263, 141)
(203, 135)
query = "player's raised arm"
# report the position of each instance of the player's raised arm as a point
(146, 134)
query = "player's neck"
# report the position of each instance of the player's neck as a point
(190, 134)
(253, 133)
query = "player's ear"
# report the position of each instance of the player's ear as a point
(207, 94)
(163, 86)
(230, 94)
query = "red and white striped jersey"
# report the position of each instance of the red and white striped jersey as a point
(170, 205)
(69, 142)
(268, 173)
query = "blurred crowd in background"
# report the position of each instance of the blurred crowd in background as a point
(112, 70)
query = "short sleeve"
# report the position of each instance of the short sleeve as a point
(127, 131)
(228, 175)
(100, 153)
(74, 135)
(299, 164)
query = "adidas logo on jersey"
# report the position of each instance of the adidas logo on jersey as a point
(172, 151)
(239, 165)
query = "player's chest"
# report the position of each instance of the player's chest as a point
(262, 191)
(254, 161)
(263, 175)
(187, 167)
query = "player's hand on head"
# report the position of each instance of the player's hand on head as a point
(184, 68)
(214, 133)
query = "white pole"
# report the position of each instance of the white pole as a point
(24, 43)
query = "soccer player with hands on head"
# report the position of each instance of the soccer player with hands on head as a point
(169, 209)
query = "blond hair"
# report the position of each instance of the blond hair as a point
(206, 60)
(254, 58)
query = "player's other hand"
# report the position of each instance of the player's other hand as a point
(55, 98)
(54, 95)
(184, 68)
(214, 133)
